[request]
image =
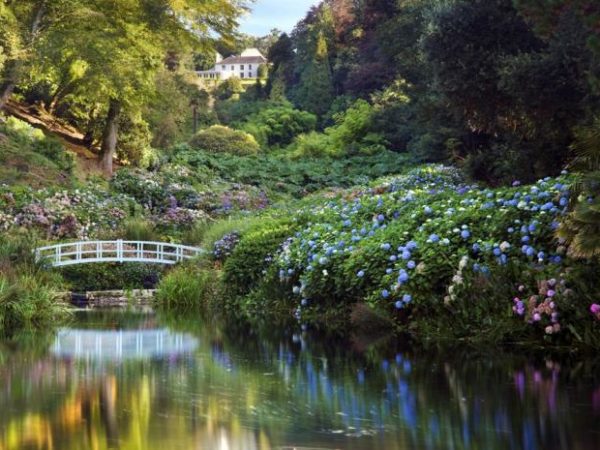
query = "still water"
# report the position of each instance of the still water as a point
(123, 380)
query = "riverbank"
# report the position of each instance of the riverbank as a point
(424, 253)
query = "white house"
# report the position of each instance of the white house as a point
(242, 66)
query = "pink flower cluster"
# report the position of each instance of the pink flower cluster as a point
(541, 308)
(595, 310)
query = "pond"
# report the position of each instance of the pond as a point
(136, 380)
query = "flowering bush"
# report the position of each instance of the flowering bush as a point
(225, 246)
(181, 218)
(406, 244)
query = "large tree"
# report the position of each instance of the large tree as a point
(315, 91)
(23, 25)
(109, 62)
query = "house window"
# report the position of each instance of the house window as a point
(242, 75)
(224, 67)
(242, 67)
(232, 67)
(249, 66)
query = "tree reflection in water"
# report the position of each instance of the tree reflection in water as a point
(232, 387)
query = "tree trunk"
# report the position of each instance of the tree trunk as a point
(7, 88)
(109, 137)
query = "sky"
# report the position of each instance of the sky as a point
(269, 14)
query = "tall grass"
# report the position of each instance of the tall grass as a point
(29, 293)
(28, 301)
(138, 229)
(187, 287)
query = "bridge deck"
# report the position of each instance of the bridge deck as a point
(85, 252)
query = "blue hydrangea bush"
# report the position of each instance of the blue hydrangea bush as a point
(430, 245)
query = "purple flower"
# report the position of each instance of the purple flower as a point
(385, 293)
(360, 273)
(465, 234)
(595, 308)
(399, 304)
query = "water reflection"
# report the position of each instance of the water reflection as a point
(230, 387)
(122, 344)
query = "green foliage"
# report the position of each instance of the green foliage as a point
(352, 134)
(109, 276)
(230, 88)
(29, 295)
(581, 227)
(315, 91)
(169, 112)
(220, 139)
(188, 287)
(21, 134)
(278, 125)
(244, 269)
(220, 228)
(138, 229)
(425, 250)
(279, 174)
(28, 302)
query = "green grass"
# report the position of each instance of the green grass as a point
(28, 158)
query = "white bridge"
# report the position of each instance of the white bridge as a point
(85, 252)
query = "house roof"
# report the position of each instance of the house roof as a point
(244, 60)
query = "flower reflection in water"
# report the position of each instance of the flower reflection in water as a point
(220, 386)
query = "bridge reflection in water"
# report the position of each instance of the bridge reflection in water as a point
(119, 345)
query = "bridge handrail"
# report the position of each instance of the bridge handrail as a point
(116, 251)
(166, 244)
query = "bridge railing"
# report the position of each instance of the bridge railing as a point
(115, 251)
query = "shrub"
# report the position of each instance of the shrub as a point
(314, 145)
(220, 139)
(352, 134)
(279, 125)
(244, 268)
(231, 87)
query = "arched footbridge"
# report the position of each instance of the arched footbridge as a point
(85, 252)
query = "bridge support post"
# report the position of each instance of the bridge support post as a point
(120, 250)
